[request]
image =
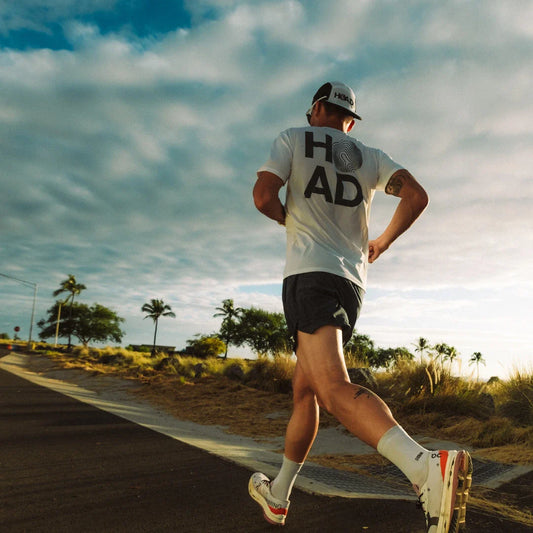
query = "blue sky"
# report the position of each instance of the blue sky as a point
(37, 24)
(130, 134)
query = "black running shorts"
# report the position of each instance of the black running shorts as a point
(317, 299)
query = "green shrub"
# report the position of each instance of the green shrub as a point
(205, 346)
(140, 349)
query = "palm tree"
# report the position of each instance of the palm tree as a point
(477, 359)
(155, 310)
(451, 355)
(446, 353)
(228, 311)
(441, 349)
(422, 345)
(68, 285)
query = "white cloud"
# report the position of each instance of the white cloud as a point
(129, 161)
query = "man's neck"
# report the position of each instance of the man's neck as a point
(335, 124)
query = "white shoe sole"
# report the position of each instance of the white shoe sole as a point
(458, 475)
(270, 516)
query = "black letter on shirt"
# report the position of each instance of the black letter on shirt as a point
(339, 191)
(310, 143)
(319, 175)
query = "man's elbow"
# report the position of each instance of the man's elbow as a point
(260, 200)
(421, 200)
(266, 190)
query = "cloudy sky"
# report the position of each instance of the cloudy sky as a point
(131, 131)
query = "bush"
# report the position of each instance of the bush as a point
(464, 403)
(205, 346)
(234, 372)
(139, 349)
(82, 352)
(181, 365)
(497, 432)
(414, 387)
(167, 365)
(272, 375)
(515, 397)
(408, 379)
(115, 357)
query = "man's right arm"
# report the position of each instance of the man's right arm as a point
(266, 196)
(413, 201)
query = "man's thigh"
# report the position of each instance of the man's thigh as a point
(316, 299)
(321, 358)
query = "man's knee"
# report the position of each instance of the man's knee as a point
(329, 394)
(302, 393)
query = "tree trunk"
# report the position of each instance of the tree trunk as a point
(70, 323)
(155, 336)
(57, 324)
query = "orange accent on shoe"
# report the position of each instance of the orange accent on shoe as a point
(443, 461)
(278, 510)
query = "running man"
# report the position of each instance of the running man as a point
(331, 179)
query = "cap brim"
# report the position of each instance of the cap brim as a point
(309, 112)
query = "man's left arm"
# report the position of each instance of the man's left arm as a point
(413, 201)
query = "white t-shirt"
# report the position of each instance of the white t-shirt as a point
(331, 179)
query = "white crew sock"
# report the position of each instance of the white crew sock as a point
(400, 449)
(281, 487)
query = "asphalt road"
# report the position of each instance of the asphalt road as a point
(69, 467)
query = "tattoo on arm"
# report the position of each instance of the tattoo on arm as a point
(360, 392)
(394, 186)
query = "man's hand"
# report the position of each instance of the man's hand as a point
(375, 249)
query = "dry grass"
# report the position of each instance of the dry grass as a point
(220, 401)
(512, 454)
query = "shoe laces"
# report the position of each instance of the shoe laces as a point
(266, 483)
(421, 503)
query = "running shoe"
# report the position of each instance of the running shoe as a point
(274, 510)
(444, 495)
